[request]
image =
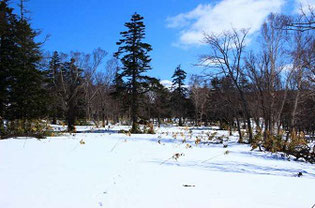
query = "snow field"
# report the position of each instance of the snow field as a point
(117, 170)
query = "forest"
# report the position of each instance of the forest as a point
(266, 94)
(114, 110)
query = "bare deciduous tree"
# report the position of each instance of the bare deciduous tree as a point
(227, 51)
(199, 95)
(304, 22)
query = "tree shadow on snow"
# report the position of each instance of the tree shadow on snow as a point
(239, 167)
(262, 155)
(204, 128)
(162, 141)
(98, 131)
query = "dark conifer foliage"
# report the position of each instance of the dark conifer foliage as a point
(271, 90)
(27, 92)
(66, 83)
(178, 81)
(53, 76)
(120, 91)
(8, 23)
(133, 53)
(179, 93)
(162, 103)
(23, 95)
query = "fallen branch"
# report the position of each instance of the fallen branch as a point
(175, 157)
(185, 185)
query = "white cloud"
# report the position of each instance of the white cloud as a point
(184, 19)
(287, 68)
(207, 18)
(166, 83)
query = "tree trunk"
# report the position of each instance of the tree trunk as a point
(103, 119)
(71, 116)
(240, 140)
(54, 120)
(180, 121)
(246, 111)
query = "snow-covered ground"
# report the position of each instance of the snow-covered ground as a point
(101, 168)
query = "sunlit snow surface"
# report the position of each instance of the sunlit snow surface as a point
(118, 170)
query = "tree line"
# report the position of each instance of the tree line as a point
(266, 95)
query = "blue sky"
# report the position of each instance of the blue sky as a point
(173, 26)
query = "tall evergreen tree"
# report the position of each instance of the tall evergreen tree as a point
(8, 49)
(119, 91)
(53, 76)
(23, 96)
(135, 60)
(179, 92)
(27, 93)
(162, 104)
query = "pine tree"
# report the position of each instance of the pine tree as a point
(8, 49)
(162, 104)
(179, 92)
(53, 76)
(23, 96)
(27, 93)
(119, 92)
(135, 61)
